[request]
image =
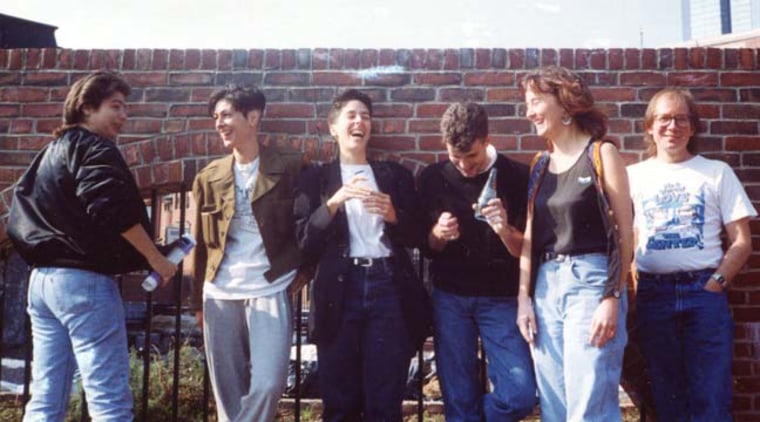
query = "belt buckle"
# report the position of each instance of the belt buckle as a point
(363, 262)
(554, 256)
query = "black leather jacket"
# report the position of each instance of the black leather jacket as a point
(72, 204)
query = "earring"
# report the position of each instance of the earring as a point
(566, 120)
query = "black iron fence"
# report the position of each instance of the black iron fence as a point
(141, 316)
(144, 309)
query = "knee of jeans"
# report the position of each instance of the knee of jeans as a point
(520, 401)
(267, 387)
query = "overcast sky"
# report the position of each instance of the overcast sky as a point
(355, 23)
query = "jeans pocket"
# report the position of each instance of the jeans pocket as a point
(75, 291)
(703, 281)
(589, 269)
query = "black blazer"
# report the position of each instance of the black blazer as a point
(325, 240)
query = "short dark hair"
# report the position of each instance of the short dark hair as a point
(89, 91)
(694, 120)
(243, 99)
(462, 124)
(343, 98)
(571, 93)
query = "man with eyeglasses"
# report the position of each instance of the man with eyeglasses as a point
(682, 203)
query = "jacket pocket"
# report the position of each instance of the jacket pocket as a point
(210, 216)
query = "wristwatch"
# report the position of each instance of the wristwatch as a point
(718, 277)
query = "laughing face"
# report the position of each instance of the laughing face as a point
(233, 127)
(352, 128)
(671, 128)
(107, 119)
(545, 112)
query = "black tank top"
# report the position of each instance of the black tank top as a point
(566, 215)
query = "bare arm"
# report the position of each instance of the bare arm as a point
(526, 318)
(604, 324)
(739, 250)
(618, 191)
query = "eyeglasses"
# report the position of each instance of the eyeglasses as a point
(665, 120)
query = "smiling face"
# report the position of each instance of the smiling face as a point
(472, 162)
(108, 118)
(671, 128)
(545, 112)
(233, 127)
(352, 128)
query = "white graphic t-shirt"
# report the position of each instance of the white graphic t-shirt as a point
(241, 273)
(680, 210)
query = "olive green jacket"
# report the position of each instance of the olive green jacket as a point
(272, 204)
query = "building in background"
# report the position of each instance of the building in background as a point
(721, 23)
(21, 33)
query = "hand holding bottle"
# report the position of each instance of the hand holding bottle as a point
(165, 268)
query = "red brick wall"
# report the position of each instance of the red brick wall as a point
(168, 137)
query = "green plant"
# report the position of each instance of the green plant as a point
(161, 381)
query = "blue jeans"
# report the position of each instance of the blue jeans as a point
(458, 321)
(576, 381)
(686, 336)
(77, 321)
(363, 369)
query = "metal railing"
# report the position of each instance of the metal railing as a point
(177, 309)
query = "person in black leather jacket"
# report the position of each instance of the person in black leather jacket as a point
(78, 218)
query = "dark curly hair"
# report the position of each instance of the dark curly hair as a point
(572, 94)
(694, 120)
(462, 124)
(89, 91)
(343, 98)
(243, 99)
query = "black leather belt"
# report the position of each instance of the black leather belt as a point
(554, 256)
(367, 262)
(679, 276)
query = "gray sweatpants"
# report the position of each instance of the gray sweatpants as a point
(248, 349)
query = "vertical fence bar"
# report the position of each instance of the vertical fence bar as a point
(178, 307)
(84, 416)
(417, 254)
(27, 359)
(206, 390)
(148, 316)
(2, 311)
(299, 327)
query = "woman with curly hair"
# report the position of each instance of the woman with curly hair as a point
(575, 253)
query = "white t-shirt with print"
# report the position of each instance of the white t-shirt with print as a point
(680, 210)
(241, 272)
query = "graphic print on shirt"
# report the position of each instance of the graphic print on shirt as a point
(675, 218)
(243, 217)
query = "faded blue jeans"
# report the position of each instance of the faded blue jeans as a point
(576, 381)
(686, 336)
(458, 321)
(77, 321)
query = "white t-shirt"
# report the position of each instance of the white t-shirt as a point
(680, 210)
(365, 229)
(241, 272)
